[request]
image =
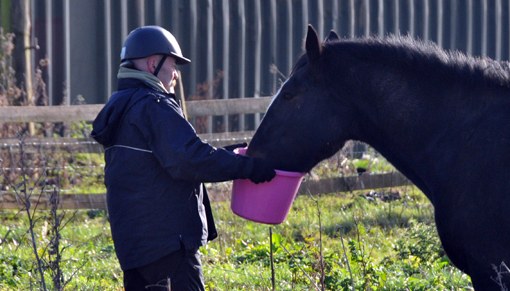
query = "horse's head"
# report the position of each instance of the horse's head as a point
(302, 124)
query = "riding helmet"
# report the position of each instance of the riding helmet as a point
(151, 40)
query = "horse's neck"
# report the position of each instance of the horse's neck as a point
(419, 123)
(410, 129)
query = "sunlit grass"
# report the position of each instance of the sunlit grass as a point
(389, 245)
(88, 258)
(380, 229)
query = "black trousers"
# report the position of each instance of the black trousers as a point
(183, 267)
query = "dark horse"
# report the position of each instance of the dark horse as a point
(441, 118)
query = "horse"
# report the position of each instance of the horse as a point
(442, 118)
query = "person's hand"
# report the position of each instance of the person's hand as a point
(261, 171)
(232, 147)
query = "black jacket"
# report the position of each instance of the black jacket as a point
(155, 164)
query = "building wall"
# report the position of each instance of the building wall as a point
(252, 43)
(87, 51)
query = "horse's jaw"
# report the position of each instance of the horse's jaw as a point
(290, 164)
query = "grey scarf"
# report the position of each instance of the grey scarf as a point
(136, 74)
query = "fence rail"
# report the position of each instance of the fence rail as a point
(313, 187)
(21, 114)
(89, 112)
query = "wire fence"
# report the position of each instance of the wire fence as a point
(76, 168)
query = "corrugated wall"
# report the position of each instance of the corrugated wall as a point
(244, 48)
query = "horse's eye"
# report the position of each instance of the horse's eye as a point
(287, 96)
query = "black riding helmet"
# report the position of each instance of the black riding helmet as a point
(151, 40)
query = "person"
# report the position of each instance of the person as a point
(155, 166)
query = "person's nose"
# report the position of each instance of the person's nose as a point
(176, 75)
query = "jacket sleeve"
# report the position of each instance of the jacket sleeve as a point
(182, 153)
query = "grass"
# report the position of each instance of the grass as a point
(389, 246)
(88, 255)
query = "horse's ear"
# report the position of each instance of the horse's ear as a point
(333, 36)
(313, 45)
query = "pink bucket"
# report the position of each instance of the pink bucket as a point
(268, 202)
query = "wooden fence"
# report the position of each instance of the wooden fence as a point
(217, 194)
(22, 114)
(217, 107)
(8, 200)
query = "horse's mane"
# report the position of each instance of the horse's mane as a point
(424, 56)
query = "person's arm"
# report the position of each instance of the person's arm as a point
(180, 151)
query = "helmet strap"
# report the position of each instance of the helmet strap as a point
(160, 65)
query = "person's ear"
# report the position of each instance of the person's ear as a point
(151, 64)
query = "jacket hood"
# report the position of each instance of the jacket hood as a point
(107, 122)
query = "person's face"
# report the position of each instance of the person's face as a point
(168, 73)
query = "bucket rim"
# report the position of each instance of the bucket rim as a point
(289, 174)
